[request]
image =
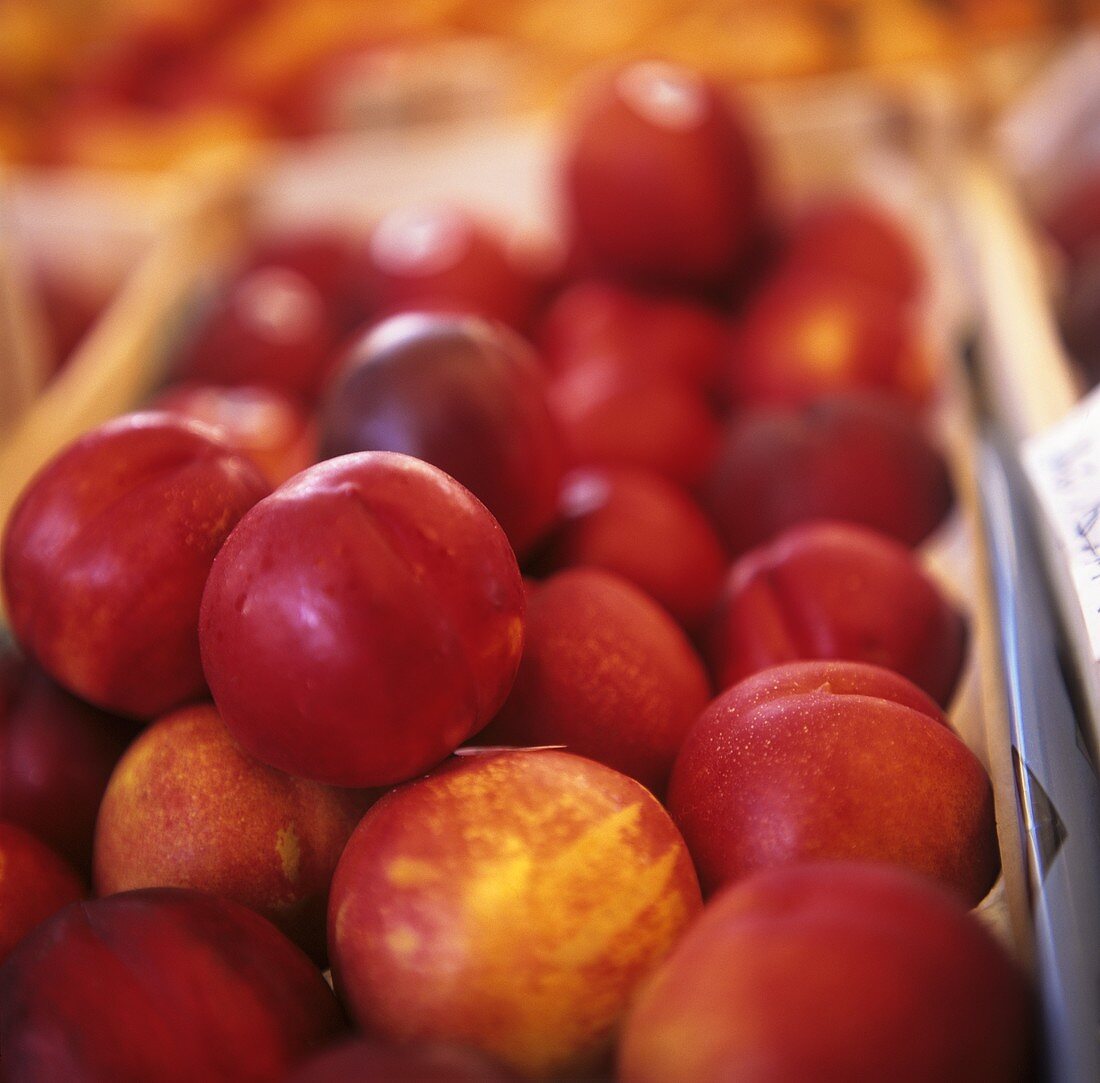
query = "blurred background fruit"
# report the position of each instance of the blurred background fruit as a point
(142, 83)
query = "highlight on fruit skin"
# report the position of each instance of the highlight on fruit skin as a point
(661, 177)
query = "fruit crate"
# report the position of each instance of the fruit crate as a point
(897, 142)
(1040, 471)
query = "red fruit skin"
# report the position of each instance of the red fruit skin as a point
(512, 902)
(34, 883)
(262, 423)
(442, 259)
(107, 552)
(644, 528)
(809, 332)
(272, 327)
(826, 590)
(161, 984)
(607, 673)
(660, 178)
(326, 259)
(821, 761)
(56, 755)
(854, 238)
(837, 973)
(612, 416)
(860, 458)
(461, 393)
(186, 807)
(842, 678)
(363, 622)
(666, 337)
(367, 1060)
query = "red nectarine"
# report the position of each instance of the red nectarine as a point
(163, 984)
(34, 884)
(607, 673)
(661, 177)
(107, 553)
(363, 621)
(836, 973)
(464, 394)
(828, 761)
(836, 590)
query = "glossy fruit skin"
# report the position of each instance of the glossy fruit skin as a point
(363, 622)
(464, 394)
(271, 326)
(440, 258)
(512, 902)
(34, 883)
(325, 257)
(607, 673)
(661, 177)
(807, 333)
(186, 807)
(107, 553)
(839, 973)
(825, 590)
(162, 984)
(643, 527)
(861, 458)
(819, 761)
(56, 755)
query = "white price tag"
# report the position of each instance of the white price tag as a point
(1063, 465)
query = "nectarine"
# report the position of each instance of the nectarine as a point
(510, 901)
(829, 761)
(836, 590)
(162, 984)
(107, 553)
(363, 621)
(661, 177)
(836, 973)
(462, 393)
(607, 673)
(186, 807)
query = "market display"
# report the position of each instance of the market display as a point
(534, 705)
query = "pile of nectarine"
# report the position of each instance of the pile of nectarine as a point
(583, 707)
